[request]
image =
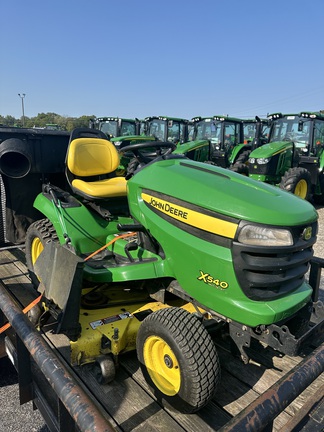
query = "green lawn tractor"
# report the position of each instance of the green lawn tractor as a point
(162, 263)
(293, 159)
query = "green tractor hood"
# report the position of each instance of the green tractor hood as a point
(215, 189)
(190, 145)
(271, 149)
(198, 150)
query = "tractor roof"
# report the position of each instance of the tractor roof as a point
(217, 118)
(303, 114)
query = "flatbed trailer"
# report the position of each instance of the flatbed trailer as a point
(274, 392)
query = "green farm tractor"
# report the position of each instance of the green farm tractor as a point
(256, 134)
(162, 263)
(224, 141)
(154, 128)
(293, 159)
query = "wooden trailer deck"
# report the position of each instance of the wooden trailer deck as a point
(131, 406)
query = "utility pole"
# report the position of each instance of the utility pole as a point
(22, 95)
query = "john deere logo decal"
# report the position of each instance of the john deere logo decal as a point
(191, 217)
(307, 233)
(168, 208)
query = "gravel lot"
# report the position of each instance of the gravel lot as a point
(13, 417)
(16, 418)
(319, 246)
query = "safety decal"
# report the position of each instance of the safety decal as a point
(108, 320)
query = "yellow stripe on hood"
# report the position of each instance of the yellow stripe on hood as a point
(191, 217)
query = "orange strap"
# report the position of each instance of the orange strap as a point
(33, 303)
(25, 310)
(108, 244)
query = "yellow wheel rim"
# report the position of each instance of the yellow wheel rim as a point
(36, 249)
(301, 189)
(162, 365)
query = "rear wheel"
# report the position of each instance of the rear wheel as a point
(243, 157)
(178, 359)
(240, 165)
(298, 182)
(38, 234)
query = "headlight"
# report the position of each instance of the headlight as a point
(117, 143)
(264, 236)
(262, 161)
(252, 160)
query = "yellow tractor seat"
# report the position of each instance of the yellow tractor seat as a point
(91, 164)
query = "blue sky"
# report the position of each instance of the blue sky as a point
(181, 58)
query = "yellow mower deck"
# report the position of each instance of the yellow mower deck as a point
(118, 321)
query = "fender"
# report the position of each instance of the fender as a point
(75, 222)
(47, 208)
(200, 150)
(237, 150)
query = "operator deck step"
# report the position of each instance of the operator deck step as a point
(131, 405)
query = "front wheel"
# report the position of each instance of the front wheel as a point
(297, 181)
(38, 234)
(178, 359)
(240, 168)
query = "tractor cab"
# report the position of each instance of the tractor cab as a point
(164, 128)
(115, 126)
(221, 133)
(256, 132)
(304, 130)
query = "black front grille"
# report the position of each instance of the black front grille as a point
(265, 169)
(219, 157)
(271, 272)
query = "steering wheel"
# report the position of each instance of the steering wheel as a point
(289, 136)
(146, 157)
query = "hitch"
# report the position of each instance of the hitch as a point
(279, 336)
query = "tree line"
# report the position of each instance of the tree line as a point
(42, 119)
